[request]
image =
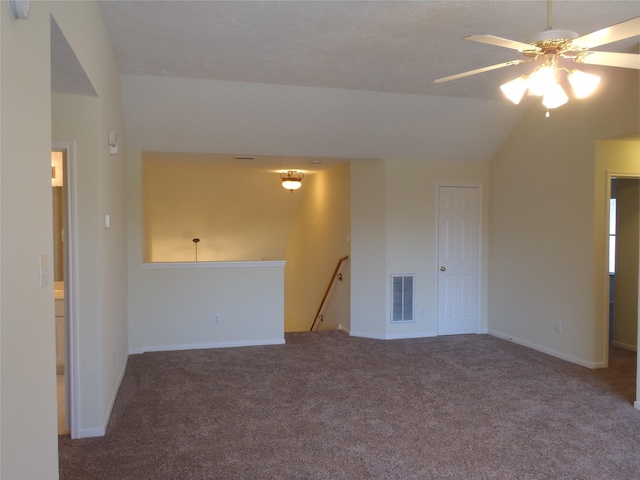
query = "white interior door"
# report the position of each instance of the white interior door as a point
(458, 257)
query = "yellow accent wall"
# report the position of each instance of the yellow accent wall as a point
(319, 238)
(237, 209)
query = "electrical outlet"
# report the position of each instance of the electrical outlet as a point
(423, 312)
(558, 327)
(216, 319)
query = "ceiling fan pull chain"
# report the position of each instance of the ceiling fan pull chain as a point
(549, 16)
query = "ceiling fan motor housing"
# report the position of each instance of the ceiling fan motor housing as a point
(553, 41)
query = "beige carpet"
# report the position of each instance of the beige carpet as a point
(328, 406)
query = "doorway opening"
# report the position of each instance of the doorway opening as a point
(624, 247)
(62, 167)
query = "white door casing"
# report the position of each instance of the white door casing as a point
(458, 260)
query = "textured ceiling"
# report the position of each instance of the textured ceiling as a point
(385, 46)
(323, 79)
(67, 75)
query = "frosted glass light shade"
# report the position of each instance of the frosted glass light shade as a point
(291, 184)
(292, 180)
(583, 84)
(555, 97)
(542, 80)
(514, 90)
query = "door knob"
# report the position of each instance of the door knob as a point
(442, 269)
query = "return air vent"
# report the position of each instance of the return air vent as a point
(402, 298)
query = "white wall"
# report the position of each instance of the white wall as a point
(28, 421)
(318, 239)
(172, 306)
(176, 304)
(394, 230)
(543, 265)
(199, 115)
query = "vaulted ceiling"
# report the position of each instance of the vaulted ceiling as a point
(383, 46)
(390, 51)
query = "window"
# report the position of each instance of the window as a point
(612, 235)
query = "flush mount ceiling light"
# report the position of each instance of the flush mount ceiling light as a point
(551, 46)
(292, 180)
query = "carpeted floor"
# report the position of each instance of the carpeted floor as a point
(329, 406)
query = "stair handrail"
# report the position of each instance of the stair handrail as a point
(333, 277)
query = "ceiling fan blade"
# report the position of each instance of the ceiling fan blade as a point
(610, 59)
(503, 42)
(481, 70)
(619, 31)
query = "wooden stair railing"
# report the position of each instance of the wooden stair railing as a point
(333, 277)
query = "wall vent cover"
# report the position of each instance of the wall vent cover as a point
(402, 298)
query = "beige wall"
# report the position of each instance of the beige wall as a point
(546, 265)
(28, 430)
(100, 188)
(394, 230)
(319, 237)
(237, 209)
(368, 248)
(28, 426)
(76, 118)
(625, 306)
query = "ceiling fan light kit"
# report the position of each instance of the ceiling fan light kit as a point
(543, 83)
(548, 48)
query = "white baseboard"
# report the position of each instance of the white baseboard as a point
(400, 336)
(200, 346)
(342, 328)
(101, 430)
(375, 336)
(625, 346)
(136, 351)
(636, 405)
(394, 336)
(91, 432)
(548, 351)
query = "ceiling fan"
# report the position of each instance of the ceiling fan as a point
(548, 48)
